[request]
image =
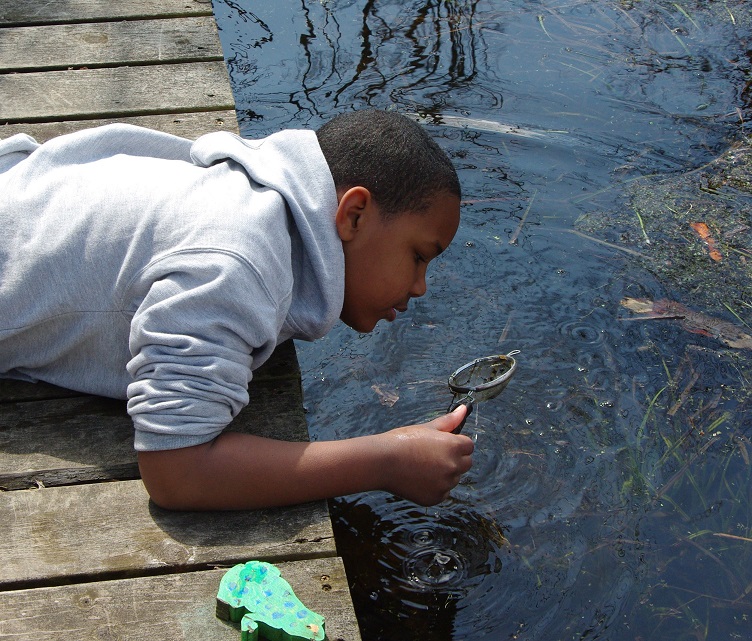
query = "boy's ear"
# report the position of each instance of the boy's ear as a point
(353, 205)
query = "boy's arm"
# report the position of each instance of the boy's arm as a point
(421, 463)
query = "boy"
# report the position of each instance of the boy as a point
(139, 265)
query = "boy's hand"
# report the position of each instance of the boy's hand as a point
(428, 460)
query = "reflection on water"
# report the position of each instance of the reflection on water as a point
(419, 569)
(611, 491)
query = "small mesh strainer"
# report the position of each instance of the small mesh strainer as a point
(480, 380)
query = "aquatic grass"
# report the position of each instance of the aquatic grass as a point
(515, 235)
(737, 584)
(739, 318)
(731, 15)
(610, 188)
(542, 26)
(648, 413)
(678, 39)
(642, 224)
(724, 567)
(686, 15)
(641, 471)
(688, 457)
(593, 75)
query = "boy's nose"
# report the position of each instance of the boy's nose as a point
(419, 286)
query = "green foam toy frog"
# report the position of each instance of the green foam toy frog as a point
(255, 594)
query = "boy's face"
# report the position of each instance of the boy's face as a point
(386, 260)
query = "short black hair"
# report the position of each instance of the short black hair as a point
(390, 155)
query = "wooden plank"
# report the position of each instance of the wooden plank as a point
(187, 125)
(12, 391)
(27, 12)
(168, 608)
(89, 438)
(62, 441)
(109, 44)
(122, 91)
(68, 534)
(39, 440)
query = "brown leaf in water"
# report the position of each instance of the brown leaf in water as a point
(703, 231)
(386, 397)
(638, 305)
(695, 322)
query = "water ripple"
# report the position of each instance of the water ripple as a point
(438, 560)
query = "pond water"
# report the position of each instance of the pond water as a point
(611, 491)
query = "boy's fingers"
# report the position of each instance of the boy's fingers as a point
(450, 421)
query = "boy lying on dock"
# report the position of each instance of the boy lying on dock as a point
(138, 265)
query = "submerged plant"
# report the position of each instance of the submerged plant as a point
(689, 469)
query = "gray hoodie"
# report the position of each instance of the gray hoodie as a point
(135, 264)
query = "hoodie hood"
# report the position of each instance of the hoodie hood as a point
(311, 198)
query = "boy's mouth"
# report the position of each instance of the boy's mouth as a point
(392, 313)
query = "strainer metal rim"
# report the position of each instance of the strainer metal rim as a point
(499, 380)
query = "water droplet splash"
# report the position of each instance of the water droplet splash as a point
(435, 567)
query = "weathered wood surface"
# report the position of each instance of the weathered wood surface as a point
(119, 91)
(109, 530)
(168, 608)
(46, 442)
(187, 125)
(79, 438)
(102, 44)
(15, 13)
(87, 438)
(12, 391)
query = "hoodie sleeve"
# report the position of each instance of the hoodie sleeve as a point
(207, 316)
(15, 149)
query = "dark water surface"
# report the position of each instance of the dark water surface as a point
(611, 491)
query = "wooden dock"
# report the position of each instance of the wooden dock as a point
(83, 552)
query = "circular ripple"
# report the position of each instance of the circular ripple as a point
(431, 567)
(405, 558)
(583, 333)
(423, 536)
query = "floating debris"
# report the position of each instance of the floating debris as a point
(386, 396)
(693, 321)
(491, 126)
(704, 232)
(712, 204)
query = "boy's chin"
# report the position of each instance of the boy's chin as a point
(361, 325)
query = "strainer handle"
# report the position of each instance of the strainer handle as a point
(467, 401)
